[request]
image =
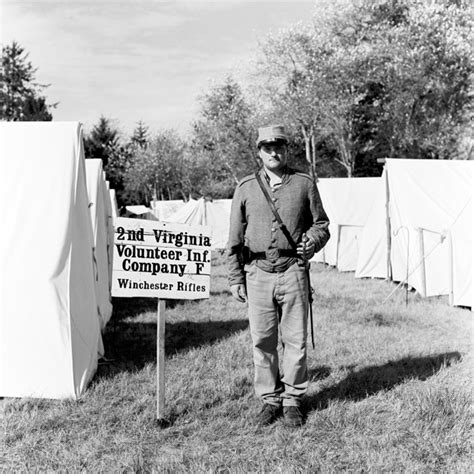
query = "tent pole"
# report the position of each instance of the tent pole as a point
(388, 225)
(337, 244)
(395, 233)
(422, 260)
(451, 269)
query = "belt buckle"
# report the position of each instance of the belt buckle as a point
(272, 254)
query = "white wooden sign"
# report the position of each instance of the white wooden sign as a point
(161, 260)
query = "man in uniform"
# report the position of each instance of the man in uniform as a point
(271, 274)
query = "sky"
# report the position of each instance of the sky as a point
(146, 60)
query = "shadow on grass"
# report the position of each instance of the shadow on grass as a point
(131, 307)
(130, 346)
(220, 292)
(370, 380)
(319, 373)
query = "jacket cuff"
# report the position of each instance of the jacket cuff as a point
(236, 280)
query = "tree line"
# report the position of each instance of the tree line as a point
(361, 81)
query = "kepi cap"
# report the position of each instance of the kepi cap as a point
(272, 133)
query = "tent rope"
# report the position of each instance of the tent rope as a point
(405, 280)
(424, 257)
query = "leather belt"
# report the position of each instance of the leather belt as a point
(272, 254)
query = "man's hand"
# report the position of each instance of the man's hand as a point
(239, 292)
(306, 247)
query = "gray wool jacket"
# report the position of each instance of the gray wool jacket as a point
(253, 225)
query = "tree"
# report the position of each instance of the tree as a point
(156, 171)
(102, 140)
(21, 97)
(120, 156)
(418, 61)
(311, 80)
(140, 135)
(223, 136)
(197, 176)
(427, 82)
(386, 78)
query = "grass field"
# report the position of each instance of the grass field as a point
(390, 391)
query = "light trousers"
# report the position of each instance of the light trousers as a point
(278, 302)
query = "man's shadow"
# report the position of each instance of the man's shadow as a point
(370, 380)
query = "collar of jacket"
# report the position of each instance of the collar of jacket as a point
(287, 172)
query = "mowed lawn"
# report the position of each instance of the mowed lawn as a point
(390, 391)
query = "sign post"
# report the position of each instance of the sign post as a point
(160, 360)
(163, 261)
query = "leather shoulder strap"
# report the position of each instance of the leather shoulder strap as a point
(281, 224)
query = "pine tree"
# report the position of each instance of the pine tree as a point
(20, 96)
(102, 140)
(140, 135)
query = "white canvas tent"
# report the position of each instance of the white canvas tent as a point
(163, 209)
(431, 228)
(113, 203)
(373, 240)
(139, 211)
(347, 201)
(99, 209)
(190, 211)
(215, 214)
(49, 325)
